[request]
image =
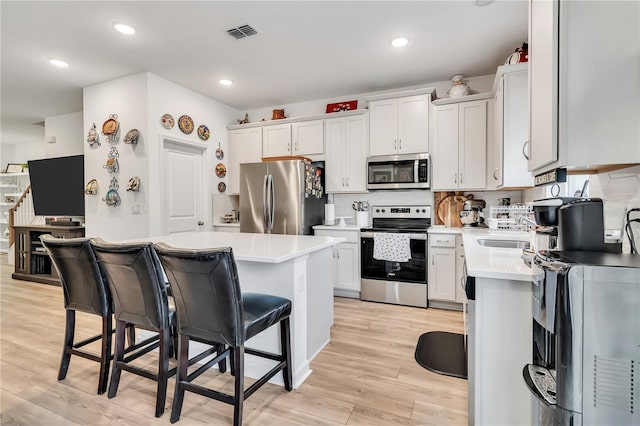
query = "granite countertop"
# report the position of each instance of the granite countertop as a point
(495, 262)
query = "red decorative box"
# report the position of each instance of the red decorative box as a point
(342, 106)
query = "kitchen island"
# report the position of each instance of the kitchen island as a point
(499, 327)
(296, 267)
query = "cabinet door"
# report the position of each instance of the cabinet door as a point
(355, 153)
(347, 273)
(472, 145)
(413, 124)
(307, 138)
(383, 127)
(515, 127)
(276, 140)
(543, 83)
(245, 146)
(461, 296)
(335, 180)
(442, 274)
(494, 146)
(445, 147)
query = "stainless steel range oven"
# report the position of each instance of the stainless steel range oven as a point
(384, 277)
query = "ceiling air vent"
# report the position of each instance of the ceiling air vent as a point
(242, 31)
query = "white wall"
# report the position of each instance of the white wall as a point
(140, 100)
(168, 97)
(67, 129)
(126, 97)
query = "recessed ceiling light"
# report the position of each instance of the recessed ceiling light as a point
(399, 42)
(124, 29)
(58, 63)
(226, 82)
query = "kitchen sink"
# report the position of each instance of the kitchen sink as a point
(516, 244)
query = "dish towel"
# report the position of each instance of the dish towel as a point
(392, 247)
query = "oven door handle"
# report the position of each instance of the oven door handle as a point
(411, 236)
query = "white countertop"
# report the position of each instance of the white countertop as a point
(229, 224)
(441, 229)
(494, 262)
(347, 227)
(266, 248)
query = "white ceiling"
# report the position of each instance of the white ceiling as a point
(305, 50)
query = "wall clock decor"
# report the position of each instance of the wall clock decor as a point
(185, 124)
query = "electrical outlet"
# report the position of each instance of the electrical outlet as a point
(135, 208)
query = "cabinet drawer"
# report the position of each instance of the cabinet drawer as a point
(351, 236)
(440, 240)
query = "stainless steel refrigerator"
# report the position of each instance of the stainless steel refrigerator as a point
(281, 197)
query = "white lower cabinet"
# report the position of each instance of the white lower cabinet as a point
(346, 276)
(445, 271)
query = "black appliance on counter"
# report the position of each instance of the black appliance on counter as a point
(402, 283)
(573, 224)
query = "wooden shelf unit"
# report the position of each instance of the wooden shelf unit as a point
(32, 264)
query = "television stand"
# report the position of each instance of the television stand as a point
(32, 263)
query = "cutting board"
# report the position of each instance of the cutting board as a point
(449, 208)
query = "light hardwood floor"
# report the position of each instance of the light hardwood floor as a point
(366, 375)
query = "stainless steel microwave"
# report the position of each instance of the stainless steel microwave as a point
(406, 171)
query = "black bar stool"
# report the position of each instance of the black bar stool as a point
(140, 297)
(85, 290)
(211, 308)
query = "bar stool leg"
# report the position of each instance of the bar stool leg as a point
(238, 363)
(183, 364)
(118, 356)
(105, 355)
(70, 325)
(285, 343)
(163, 369)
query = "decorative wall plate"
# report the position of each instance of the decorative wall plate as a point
(93, 137)
(221, 170)
(111, 129)
(112, 198)
(134, 184)
(222, 187)
(203, 132)
(167, 121)
(132, 136)
(91, 188)
(185, 124)
(219, 152)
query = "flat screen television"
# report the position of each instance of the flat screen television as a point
(57, 186)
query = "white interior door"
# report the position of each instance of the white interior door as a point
(184, 187)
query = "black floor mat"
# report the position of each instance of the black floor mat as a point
(442, 353)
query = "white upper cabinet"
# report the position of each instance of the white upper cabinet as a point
(304, 138)
(399, 125)
(459, 146)
(346, 151)
(583, 84)
(245, 146)
(508, 162)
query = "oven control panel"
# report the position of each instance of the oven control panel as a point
(411, 212)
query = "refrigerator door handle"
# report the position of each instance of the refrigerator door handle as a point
(265, 188)
(272, 202)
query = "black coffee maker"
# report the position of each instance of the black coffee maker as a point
(576, 224)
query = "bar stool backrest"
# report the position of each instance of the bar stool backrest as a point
(207, 293)
(83, 283)
(136, 282)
